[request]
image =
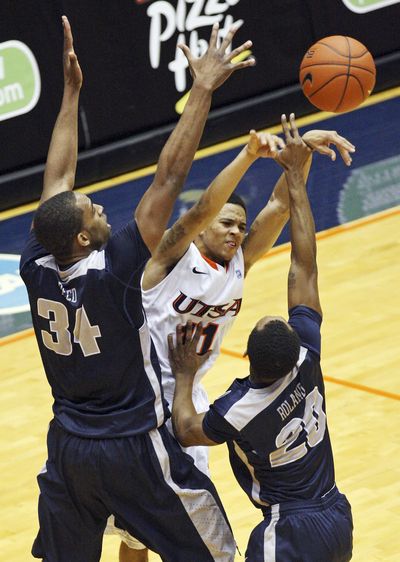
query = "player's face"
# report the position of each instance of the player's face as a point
(222, 239)
(94, 222)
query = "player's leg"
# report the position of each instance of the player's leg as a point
(166, 502)
(68, 530)
(130, 550)
(304, 531)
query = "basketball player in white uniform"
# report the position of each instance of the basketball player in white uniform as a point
(203, 280)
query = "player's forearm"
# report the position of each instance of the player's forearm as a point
(302, 227)
(183, 410)
(63, 150)
(178, 153)
(269, 223)
(280, 195)
(221, 188)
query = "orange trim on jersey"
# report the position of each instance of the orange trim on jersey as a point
(210, 262)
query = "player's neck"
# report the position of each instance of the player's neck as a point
(77, 255)
(260, 382)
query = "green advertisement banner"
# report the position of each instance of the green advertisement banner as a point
(19, 79)
(363, 6)
(370, 189)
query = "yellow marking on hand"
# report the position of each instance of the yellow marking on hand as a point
(180, 104)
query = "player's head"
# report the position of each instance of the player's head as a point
(273, 348)
(222, 238)
(70, 224)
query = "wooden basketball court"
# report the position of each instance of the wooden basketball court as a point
(359, 279)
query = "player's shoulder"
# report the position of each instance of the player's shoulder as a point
(238, 389)
(31, 252)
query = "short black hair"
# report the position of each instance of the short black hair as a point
(57, 221)
(235, 199)
(273, 350)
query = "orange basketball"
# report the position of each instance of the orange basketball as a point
(337, 73)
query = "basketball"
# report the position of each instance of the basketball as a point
(337, 74)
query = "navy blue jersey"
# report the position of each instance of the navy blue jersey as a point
(277, 435)
(93, 338)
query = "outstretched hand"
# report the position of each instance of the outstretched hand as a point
(183, 356)
(216, 65)
(321, 141)
(72, 71)
(296, 152)
(264, 145)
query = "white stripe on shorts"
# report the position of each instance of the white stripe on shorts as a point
(270, 535)
(201, 507)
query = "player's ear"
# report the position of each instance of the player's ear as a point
(83, 238)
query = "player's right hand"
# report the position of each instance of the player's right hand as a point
(72, 71)
(296, 152)
(216, 65)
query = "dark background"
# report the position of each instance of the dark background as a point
(127, 107)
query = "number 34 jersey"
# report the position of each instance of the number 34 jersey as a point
(93, 339)
(199, 290)
(277, 435)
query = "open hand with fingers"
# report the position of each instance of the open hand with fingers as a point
(72, 71)
(296, 152)
(264, 145)
(183, 356)
(215, 66)
(320, 141)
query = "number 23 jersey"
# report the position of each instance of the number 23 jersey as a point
(199, 290)
(277, 435)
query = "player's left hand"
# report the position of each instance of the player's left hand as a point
(183, 356)
(264, 145)
(320, 141)
(72, 71)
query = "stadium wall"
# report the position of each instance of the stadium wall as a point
(135, 81)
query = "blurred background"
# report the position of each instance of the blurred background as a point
(135, 79)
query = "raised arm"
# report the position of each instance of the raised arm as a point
(62, 156)
(269, 223)
(303, 273)
(176, 240)
(208, 72)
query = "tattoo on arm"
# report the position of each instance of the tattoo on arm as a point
(174, 235)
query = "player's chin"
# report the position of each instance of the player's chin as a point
(230, 251)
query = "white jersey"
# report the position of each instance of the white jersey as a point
(200, 290)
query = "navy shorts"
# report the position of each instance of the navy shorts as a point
(145, 481)
(304, 531)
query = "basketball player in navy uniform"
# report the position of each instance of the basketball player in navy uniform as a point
(109, 451)
(274, 420)
(197, 272)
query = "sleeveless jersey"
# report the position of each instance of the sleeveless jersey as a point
(94, 342)
(200, 290)
(277, 435)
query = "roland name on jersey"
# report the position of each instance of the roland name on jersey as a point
(287, 406)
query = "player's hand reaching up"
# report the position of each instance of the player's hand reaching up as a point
(320, 141)
(216, 65)
(296, 152)
(72, 71)
(264, 145)
(183, 356)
